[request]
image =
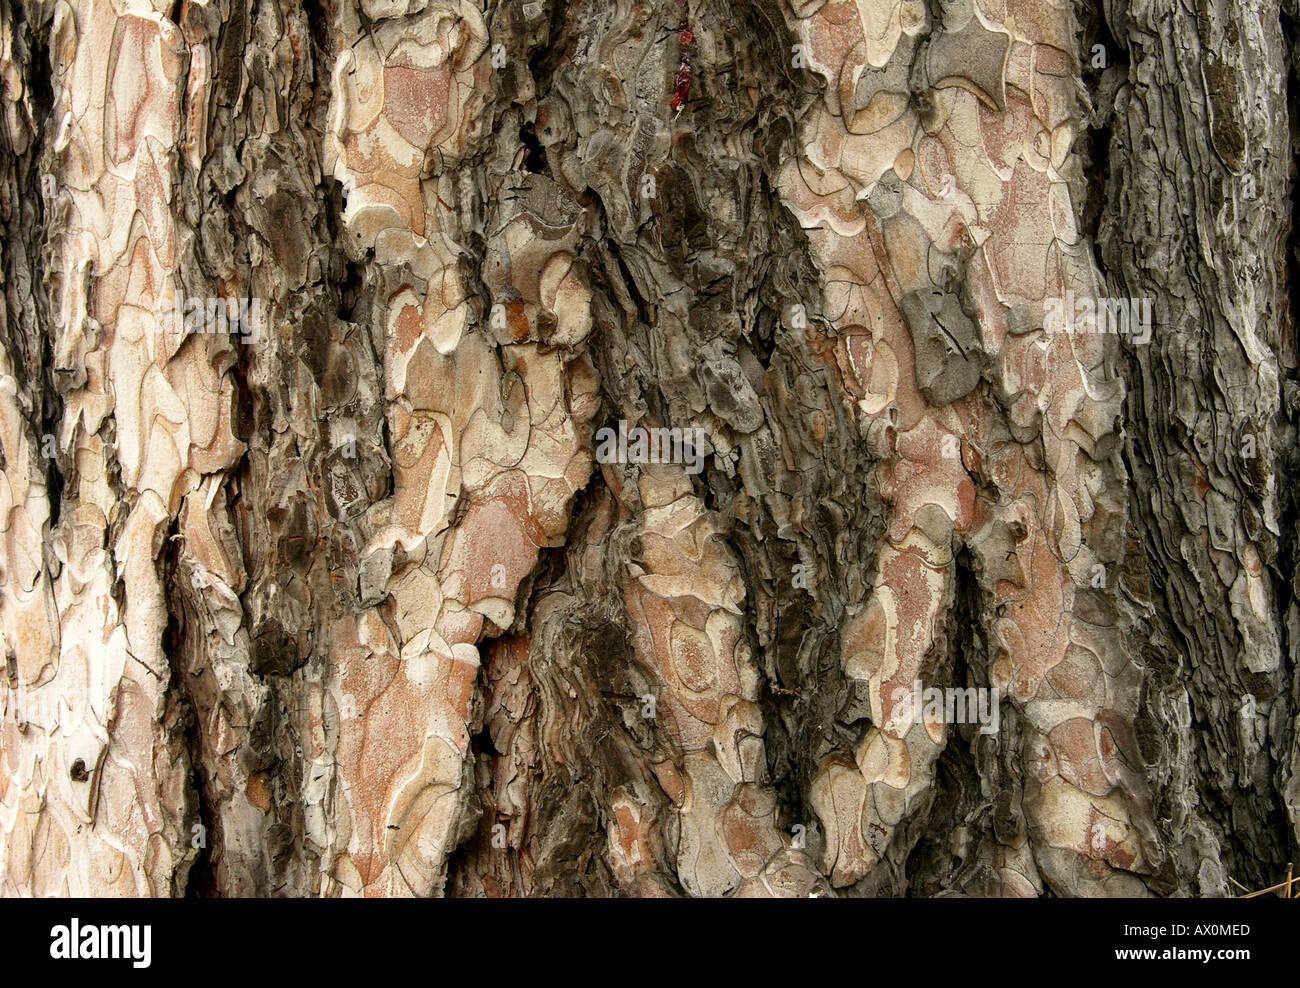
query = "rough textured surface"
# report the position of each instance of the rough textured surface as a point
(345, 598)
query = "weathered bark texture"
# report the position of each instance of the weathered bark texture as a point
(342, 601)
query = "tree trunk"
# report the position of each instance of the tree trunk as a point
(700, 447)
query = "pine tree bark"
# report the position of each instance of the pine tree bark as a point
(315, 580)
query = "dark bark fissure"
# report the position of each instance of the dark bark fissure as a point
(786, 653)
(1287, 567)
(1232, 779)
(941, 861)
(201, 880)
(24, 219)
